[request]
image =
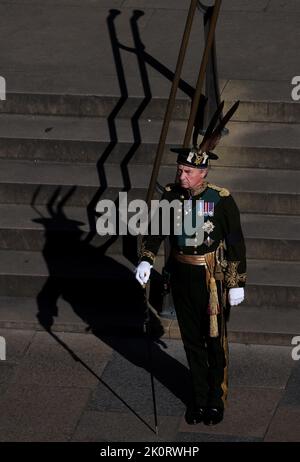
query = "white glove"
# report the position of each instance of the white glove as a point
(236, 295)
(142, 272)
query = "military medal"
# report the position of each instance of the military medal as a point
(200, 212)
(209, 208)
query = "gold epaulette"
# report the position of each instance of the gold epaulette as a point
(223, 192)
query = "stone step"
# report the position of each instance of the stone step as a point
(256, 105)
(255, 190)
(23, 227)
(248, 325)
(79, 271)
(262, 101)
(271, 237)
(265, 325)
(83, 139)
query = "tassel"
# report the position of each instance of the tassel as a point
(213, 298)
(213, 327)
(214, 308)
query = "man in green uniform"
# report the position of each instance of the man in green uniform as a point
(208, 272)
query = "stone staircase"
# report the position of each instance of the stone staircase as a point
(70, 150)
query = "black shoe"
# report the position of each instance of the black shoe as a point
(213, 415)
(194, 415)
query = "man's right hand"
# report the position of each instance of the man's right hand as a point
(142, 272)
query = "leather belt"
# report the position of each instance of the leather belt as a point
(190, 259)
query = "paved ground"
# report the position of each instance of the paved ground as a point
(67, 45)
(77, 387)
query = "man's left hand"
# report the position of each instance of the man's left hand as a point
(236, 296)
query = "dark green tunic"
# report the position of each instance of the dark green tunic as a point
(224, 225)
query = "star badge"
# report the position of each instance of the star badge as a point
(208, 227)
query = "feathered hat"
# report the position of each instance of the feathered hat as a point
(198, 156)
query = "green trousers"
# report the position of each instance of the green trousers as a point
(206, 356)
